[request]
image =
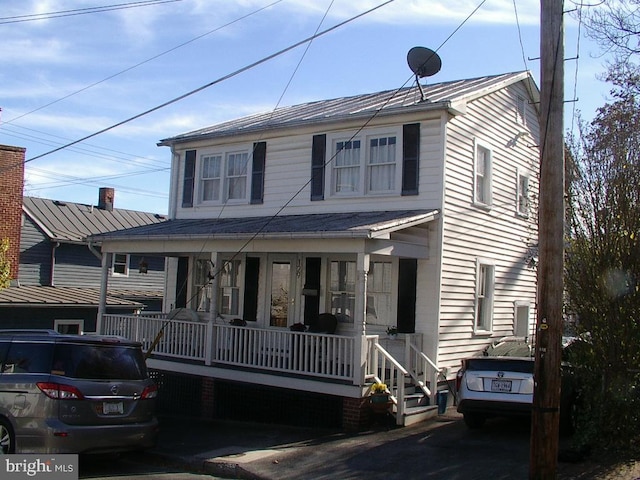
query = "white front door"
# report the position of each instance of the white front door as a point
(283, 274)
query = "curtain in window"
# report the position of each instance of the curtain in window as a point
(347, 166)
(237, 176)
(382, 167)
(211, 178)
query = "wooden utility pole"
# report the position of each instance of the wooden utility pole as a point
(543, 459)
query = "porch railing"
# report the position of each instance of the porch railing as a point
(319, 355)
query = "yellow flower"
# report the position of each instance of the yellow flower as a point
(379, 388)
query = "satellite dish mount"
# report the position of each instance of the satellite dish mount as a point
(423, 62)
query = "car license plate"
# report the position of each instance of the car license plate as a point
(110, 408)
(500, 385)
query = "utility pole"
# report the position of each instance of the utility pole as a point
(545, 417)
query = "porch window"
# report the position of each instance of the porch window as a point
(229, 297)
(482, 174)
(342, 287)
(485, 273)
(379, 293)
(202, 274)
(120, 264)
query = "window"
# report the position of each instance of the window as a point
(189, 178)
(223, 177)
(202, 275)
(381, 170)
(522, 194)
(229, 284)
(342, 287)
(75, 327)
(482, 174)
(366, 167)
(120, 264)
(521, 320)
(379, 281)
(521, 110)
(484, 297)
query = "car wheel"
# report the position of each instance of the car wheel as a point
(473, 420)
(7, 437)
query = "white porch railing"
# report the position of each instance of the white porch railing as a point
(318, 355)
(382, 367)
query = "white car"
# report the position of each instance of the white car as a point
(500, 383)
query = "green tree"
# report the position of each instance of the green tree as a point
(5, 266)
(603, 266)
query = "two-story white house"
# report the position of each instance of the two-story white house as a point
(389, 210)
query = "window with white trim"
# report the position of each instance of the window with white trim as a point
(379, 295)
(485, 284)
(120, 264)
(202, 275)
(482, 174)
(73, 327)
(224, 177)
(230, 276)
(342, 288)
(366, 167)
(522, 194)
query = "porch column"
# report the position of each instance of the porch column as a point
(360, 318)
(104, 282)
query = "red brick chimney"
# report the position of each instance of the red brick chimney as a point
(11, 185)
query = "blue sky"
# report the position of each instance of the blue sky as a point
(68, 77)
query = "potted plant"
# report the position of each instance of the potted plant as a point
(392, 332)
(379, 398)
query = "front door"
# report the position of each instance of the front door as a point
(282, 288)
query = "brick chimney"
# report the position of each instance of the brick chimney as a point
(11, 185)
(106, 198)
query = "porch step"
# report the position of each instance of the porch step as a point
(413, 415)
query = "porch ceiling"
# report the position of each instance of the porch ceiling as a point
(374, 227)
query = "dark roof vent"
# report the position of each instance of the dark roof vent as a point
(106, 198)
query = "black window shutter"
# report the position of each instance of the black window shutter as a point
(407, 283)
(257, 172)
(311, 289)
(318, 159)
(250, 312)
(410, 158)
(189, 178)
(181, 282)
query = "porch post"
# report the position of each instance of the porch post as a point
(104, 281)
(360, 319)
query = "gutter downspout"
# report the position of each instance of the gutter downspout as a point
(104, 280)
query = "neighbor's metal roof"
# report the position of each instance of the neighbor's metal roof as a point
(438, 96)
(37, 295)
(325, 225)
(73, 222)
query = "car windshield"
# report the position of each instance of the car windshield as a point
(99, 362)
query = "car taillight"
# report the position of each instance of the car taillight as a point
(149, 392)
(60, 391)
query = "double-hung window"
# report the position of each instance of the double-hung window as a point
(223, 177)
(522, 194)
(120, 264)
(229, 283)
(482, 174)
(366, 167)
(485, 283)
(379, 294)
(342, 288)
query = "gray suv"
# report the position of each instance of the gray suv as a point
(74, 394)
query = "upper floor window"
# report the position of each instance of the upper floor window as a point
(521, 110)
(522, 194)
(223, 177)
(365, 167)
(485, 279)
(120, 264)
(482, 174)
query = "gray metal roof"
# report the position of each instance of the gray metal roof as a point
(369, 224)
(438, 96)
(36, 295)
(73, 222)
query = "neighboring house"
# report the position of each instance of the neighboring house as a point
(386, 210)
(59, 275)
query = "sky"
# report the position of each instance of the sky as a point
(73, 68)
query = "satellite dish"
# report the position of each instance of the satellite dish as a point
(423, 61)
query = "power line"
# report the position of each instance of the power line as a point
(81, 11)
(215, 82)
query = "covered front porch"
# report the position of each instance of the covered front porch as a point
(244, 297)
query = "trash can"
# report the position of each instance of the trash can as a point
(443, 396)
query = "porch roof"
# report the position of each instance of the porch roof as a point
(362, 225)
